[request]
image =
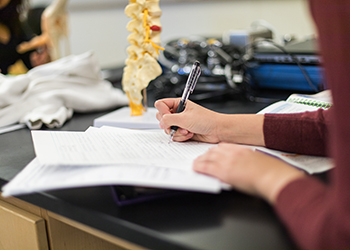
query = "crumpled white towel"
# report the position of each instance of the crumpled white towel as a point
(48, 94)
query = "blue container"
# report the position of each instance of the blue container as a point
(286, 77)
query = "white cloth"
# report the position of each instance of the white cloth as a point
(48, 94)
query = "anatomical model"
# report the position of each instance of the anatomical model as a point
(141, 64)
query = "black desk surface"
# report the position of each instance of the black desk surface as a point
(230, 220)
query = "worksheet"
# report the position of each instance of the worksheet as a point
(115, 147)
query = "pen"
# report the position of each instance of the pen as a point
(190, 84)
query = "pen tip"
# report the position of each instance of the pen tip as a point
(171, 136)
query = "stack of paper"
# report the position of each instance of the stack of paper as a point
(116, 156)
(111, 156)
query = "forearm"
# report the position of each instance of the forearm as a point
(242, 129)
(303, 133)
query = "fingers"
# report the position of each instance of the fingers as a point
(36, 42)
(167, 117)
(167, 120)
(159, 116)
(175, 119)
(166, 106)
(182, 135)
(38, 58)
(221, 160)
(209, 162)
(205, 165)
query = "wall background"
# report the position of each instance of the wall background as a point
(100, 25)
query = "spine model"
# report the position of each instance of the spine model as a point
(141, 66)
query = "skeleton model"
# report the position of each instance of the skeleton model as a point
(141, 64)
(54, 31)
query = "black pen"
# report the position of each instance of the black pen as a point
(190, 85)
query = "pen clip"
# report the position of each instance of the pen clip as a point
(194, 75)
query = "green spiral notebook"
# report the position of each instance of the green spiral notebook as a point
(319, 100)
(296, 103)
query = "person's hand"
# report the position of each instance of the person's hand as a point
(40, 56)
(202, 124)
(249, 171)
(195, 122)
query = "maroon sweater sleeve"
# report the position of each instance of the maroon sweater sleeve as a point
(318, 215)
(303, 133)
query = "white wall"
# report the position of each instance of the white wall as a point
(103, 30)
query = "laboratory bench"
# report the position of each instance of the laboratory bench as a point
(89, 218)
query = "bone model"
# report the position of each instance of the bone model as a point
(141, 66)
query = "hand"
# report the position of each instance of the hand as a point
(40, 56)
(249, 171)
(201, 124)
(195, 122)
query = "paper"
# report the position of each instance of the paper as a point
(36, 177)
(310, 164)
(111, 156)
(11, 128)
(117, 147)
(286, 107)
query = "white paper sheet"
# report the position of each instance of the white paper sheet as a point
(310, 164)
(36, 177)
(287, 107)
(111, 156)
(117, 147)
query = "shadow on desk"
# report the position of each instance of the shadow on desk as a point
(230, 218)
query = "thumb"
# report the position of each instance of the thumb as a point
(175, 119)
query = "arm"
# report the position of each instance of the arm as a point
(315, 214)
(246, 170)
(304, 133)
(252, 172)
